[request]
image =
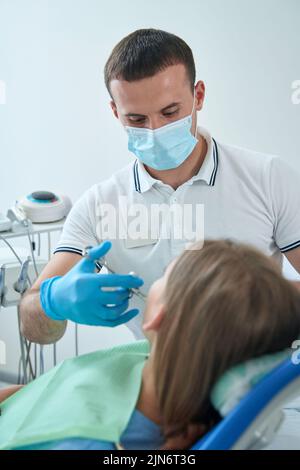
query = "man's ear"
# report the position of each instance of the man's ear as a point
(200, 94)
(114, 108)
(155, 323)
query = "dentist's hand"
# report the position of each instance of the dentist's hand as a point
(78, 295)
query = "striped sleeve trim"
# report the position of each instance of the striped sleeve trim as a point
(69, 249)
(292, 246)
(78, 251)
(98, 265)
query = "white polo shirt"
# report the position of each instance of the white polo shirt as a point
(247, 196)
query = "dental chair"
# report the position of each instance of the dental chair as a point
(250, 398)
(253, 422)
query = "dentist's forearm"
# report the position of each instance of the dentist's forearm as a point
(35, 325)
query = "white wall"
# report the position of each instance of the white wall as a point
(57, 130)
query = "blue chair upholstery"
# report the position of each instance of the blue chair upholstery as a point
(226, 433)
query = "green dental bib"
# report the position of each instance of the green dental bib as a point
(90, 396)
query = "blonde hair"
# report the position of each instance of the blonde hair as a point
(224, 304)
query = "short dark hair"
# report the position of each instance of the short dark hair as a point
(146, 52)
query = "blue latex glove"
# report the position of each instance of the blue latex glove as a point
(77, 296)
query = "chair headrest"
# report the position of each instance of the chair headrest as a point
(233, 385)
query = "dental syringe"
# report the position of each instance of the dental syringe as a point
(134, 290)
(103, 262)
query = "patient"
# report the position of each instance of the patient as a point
(214, 307)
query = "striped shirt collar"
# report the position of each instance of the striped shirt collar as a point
(208, 171)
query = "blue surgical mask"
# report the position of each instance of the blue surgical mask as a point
(166, 147)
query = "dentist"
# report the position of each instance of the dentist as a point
(247, 196)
